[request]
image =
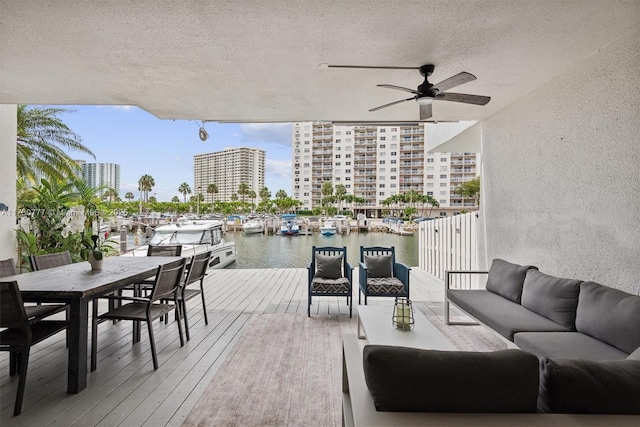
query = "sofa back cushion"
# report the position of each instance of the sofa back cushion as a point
(506, 279)
(414, 380)
(609, 315)
(551, 297)
(578, 386)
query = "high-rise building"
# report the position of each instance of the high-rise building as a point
(228, 169)
(101, 175)
(375, 163)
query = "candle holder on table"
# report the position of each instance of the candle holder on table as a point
(403, 314)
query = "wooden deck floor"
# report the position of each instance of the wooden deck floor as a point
(126, 391)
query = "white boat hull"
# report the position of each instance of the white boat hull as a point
(252, 228)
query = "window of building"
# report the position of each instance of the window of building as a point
(382, 145)
(381, 185)
(393, 162)
(347, 156)
(442, 201)
(394, 129)
(393, 146)
(394, 153)
(383, 130)
(338, 148)
(443, 159)
(429, 184)
(429, 193)
(306, 180)
(381, 193)
(443, 193)
(381, 170)
(382, 162)
(347, 171)
(429, 160)
(337, 171)
(347, 163)
(429, 176)
(337, 163)
(348, 178)
(392, 185)
(306, 165)
(429, 168)
(337, 156)
(443, 184)
(443, 176)
(383, 138)
(393, 177)
(347, 148)
(443, 168)
(348, 132)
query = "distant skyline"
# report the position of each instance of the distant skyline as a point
(143, 144)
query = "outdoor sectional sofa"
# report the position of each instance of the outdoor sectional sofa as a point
(550, 316)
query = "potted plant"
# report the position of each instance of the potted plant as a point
(95, 254)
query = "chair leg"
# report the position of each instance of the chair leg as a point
(152, 343)
(177, 307)
(24, 362)
(14, 363)
(204, 307)
(183, 313)
(309, 306)
(94, 335)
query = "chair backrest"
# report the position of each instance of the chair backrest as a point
(197, 269)
(378, 250)
(168, 280)
(8, 268)
(164, 250)
(12, 310)
(329, 251)
(43, 262)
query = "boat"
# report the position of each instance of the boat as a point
(328, 228)
(253, 226)
(289, 225)
(196, 237)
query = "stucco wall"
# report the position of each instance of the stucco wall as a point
(8, 180)
(561, 172)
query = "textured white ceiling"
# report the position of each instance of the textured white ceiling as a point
(258, 60)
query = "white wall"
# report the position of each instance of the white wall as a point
(555, 160)
(8, 131)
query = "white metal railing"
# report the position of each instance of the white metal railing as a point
(448, 244)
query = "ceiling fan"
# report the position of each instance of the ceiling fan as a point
(426, 93)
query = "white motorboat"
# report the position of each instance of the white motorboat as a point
(328, 228)
(289, 225)
(196, 237)
(253, 226)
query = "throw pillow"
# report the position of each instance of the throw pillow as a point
(551, 297)
(506, 279)
(635, 355)
(414, 380)
(379, 265)
(575, 386)
(329, 267)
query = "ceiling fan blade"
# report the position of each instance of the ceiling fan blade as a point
(391, 103)
(406, 89)
(464, 98)
(375, 67)
(425, 111)
(453, 81)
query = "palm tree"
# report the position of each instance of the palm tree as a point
(41, 138)
(145, 184)
(281, 194)
(110, 194)
(243, 190)
(212, 189)
(184, 189)
(129, 196)
(265, 194)
(252, 196)
(175, 199)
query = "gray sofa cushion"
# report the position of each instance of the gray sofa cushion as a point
(609, 315)
(413, 380)
(329, 267)
(551, 297)
(506, 279)
(567, 345)
(500, 314)
(585, 386)
(379, 265)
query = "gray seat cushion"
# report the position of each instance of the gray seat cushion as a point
(384, 285)
(567, 345)
(506, 279)
(551, 297)
(323, 285)
(414, 380)
(609, 315)
(500, 314)
(589, 387)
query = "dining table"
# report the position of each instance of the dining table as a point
(76, 285)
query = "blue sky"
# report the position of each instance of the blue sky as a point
(143, 144)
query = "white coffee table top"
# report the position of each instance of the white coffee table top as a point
(375, 321)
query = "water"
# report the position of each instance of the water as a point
(275, 251)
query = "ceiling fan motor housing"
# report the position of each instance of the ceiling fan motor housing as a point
(425, 87)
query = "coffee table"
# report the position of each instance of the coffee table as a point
(374, 324)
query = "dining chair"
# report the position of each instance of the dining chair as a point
(34, 312)
(145, 309)
(195, 272)
(380, 275)
(329, 274)
(21, 333)
(43, 262)
(164, 250)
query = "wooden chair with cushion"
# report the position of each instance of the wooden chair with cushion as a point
(21, 333)
(145, 309)
(380, 275)
(196, 271)
(330, 275)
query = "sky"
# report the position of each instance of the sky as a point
(143, 144)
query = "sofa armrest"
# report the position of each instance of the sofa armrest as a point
(448, 273)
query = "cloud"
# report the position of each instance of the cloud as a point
(279, 168)
(274, 133)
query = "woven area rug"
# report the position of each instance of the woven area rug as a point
(286, 370)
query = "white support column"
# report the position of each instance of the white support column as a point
(8, 132)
